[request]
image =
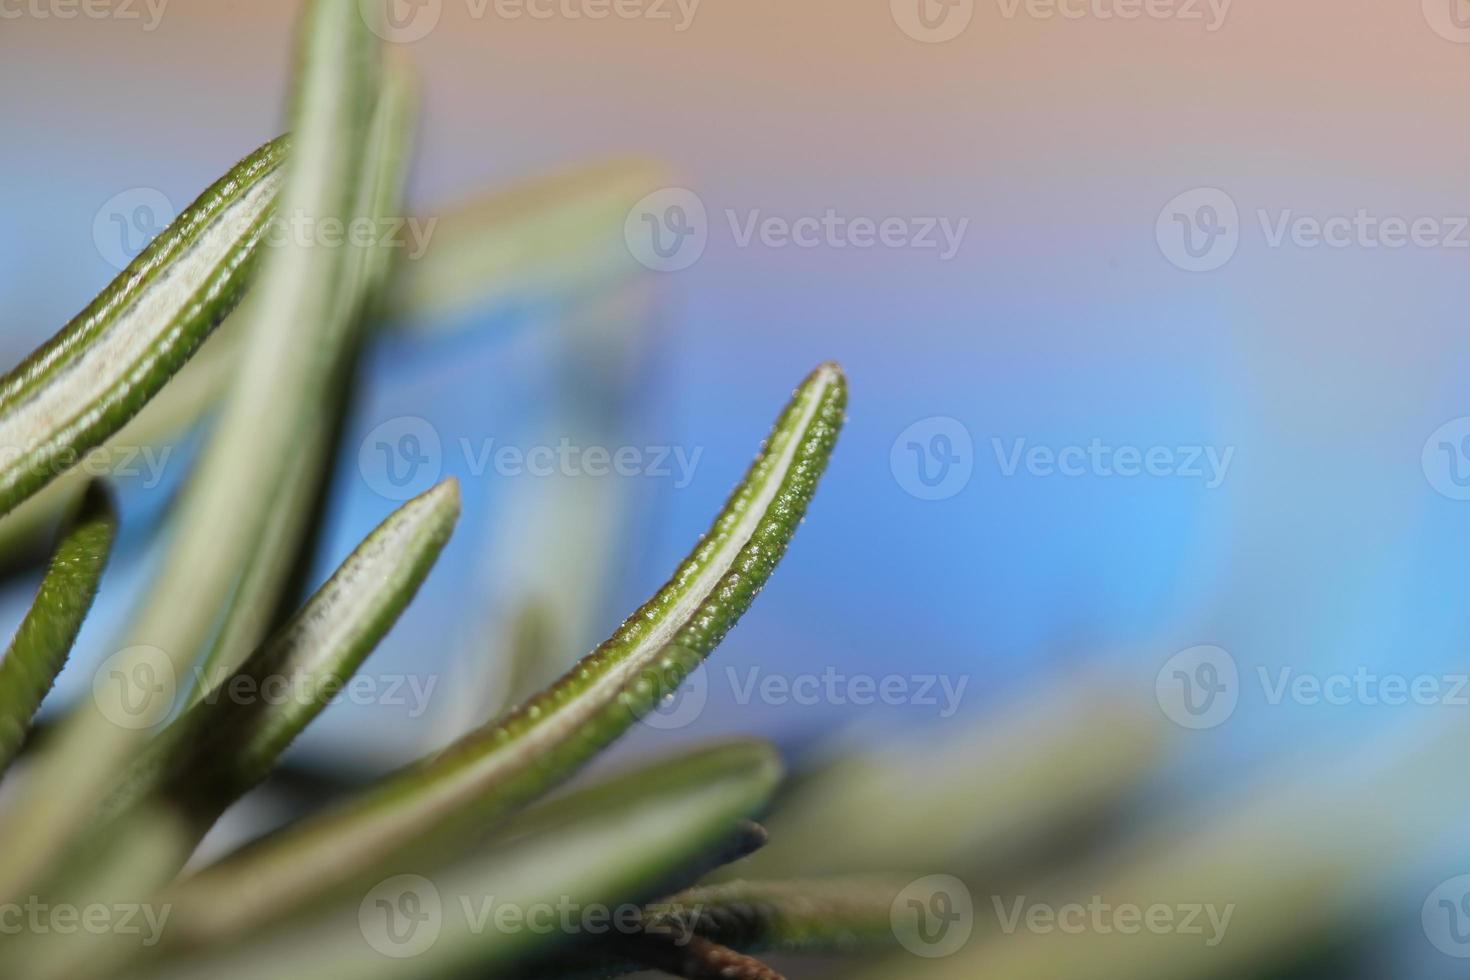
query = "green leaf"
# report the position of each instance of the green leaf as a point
(637, 847)
(228, 741)
(438, 804)
(558, 235)
(286, 539)
(47, 633)
(103, 367)
(549, 236)
(298, 332)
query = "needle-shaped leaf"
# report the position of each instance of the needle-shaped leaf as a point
(228, 741)
(546, 236)
(103, 367)
(48, 631)
(637, 847)
(296, 339)
(560, 234)
(437, 804)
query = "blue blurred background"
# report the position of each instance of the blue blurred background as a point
(1333, 542)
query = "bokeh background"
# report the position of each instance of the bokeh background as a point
(1332, 378)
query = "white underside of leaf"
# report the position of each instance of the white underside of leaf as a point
(606, 688)
(344, 607)
(124, 342)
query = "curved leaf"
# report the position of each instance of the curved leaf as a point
(46, 635)
(228, 741)
(296, 337)
(92, 377)
(636, 848)
(439, 802)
